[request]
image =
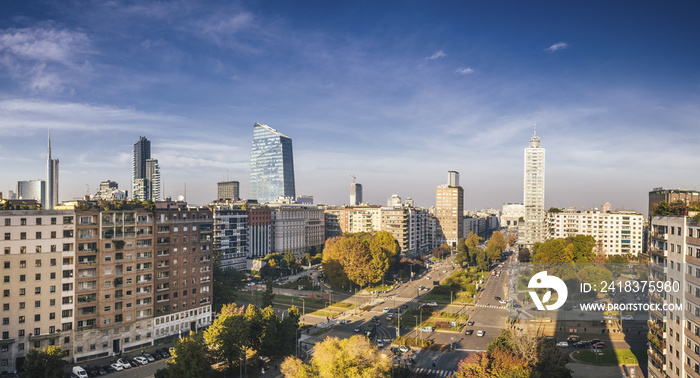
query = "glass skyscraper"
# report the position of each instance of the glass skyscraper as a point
(271, 165)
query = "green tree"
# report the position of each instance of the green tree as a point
(361, 258)
(473, 240)
(289, 259)
(441, 251)
(227, 337)
(355, 357)
(190, 358)
(269, 339)
(288, 332)
(268, 295)
(511, 240)
(253, 318)
(495, 246)
(582, 248)
(48, 363)
(226, 284)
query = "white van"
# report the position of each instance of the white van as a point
(80, 372)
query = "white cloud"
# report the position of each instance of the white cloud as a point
(557, 46)
(436, 55)
(465, 70)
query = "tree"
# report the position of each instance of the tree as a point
(289, 259)
(511, 240)
(268, 294)
(47, 363)
(288, 332)
(335, 358)
(473, 240)
(227, 337)
(190, 358)
(253, 318)
(269, 339)
(361, 258)
(524, 255)
(441, 251)
(495, 246)
(226, 283)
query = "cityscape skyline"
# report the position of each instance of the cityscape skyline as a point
(394, 103)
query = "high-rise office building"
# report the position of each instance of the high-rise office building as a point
(142, 152)
(145, 184)
(534, 227)
(32, 189)
(227, 190)
(51, 192)
(271, 165)
(153, 175)
(449, 209)
(355, 193)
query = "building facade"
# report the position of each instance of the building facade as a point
(297, 228)
(38, 269)
(674, 334)
(511, 215)
(271, 165)
(231, 240)
(355, 193)
(449, 208)
(227, 190)
(534, 227)
(32, 190)
(51, 180)
(658, 195)
(259, 232)
(616, 233)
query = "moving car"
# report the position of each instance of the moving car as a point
(480, 333)
(427, 329)
(390, 316)
(404, 348)
(573, 338)
(598, 345)
(468, 332)
(432, 304)
(563, 344)
(498, 298)
(380, 343)
(471, 323)
(627, 317)
(386, 309)
(357, 330)
(502, 302)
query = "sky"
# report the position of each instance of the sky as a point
(395, 93)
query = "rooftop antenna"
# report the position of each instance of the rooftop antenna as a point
(535, 129)
(353, 178)
(185, 192)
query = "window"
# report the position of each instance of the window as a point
(6, 279)
(53, 220)
(7, 236)
(53, 275)
(37, 277)
(7, 265)
(37, 303)
(22, 277)
(21, 305)
(23, 221)
(38, 234)
(22, 291)
(38, 249)
(53, 262)
(22, 235)
(52, 289)
(38, 221)
(23, 264)
(20, 333)
(37, 263)
(5, 321)
(5, 293)
(37, 317)
(5, 306)
(37, 290)
(7, 222)
(22, 319)
(53, 234)
(7, 250)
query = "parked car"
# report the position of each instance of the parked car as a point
(563, 344)
(502, 302)
(141, 360)
(498, 298)
(80, 372)
(468, 332)
(92, 371)
(109, 369)
(133, 362)
(627, 317)
(480, 333)
(374, 318)
(427, 329)
(471, 323)
(404, 348)
(357, 329)
(432, 304)
(573, 338)
(598, 345)
(582, 344)
(117, 366)
(149, 357)
(102, 370)
(390, 316)
(124, 362)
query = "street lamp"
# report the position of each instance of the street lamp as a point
(303, 308)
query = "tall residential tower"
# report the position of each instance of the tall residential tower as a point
(271, 165)
(449, 209)
(534, 227)
(145, 183)
(355, 193)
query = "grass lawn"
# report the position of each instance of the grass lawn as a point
(295, 285)
(281, 301)
(612, 356)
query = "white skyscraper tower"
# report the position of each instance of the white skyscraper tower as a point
(355, 193)
(534, 228)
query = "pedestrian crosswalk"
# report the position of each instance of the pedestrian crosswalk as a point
(402, 299)
(491, 306)
(432, 373)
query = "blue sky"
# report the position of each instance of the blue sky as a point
(396, 93)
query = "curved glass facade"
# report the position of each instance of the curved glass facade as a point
(271, 165)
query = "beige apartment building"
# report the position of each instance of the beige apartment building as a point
(449, 208)
(674, 334)
(38, 262)
(616, 233)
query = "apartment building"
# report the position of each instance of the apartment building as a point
(37, 262)
(449, 206)
(183, 271)
(259, 232)
(674, 335)
(617, 233)
(231, 235)
(297, 228)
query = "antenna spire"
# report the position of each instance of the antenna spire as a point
(535, 130)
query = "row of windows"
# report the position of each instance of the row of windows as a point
(67, 247)
(38, 221)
